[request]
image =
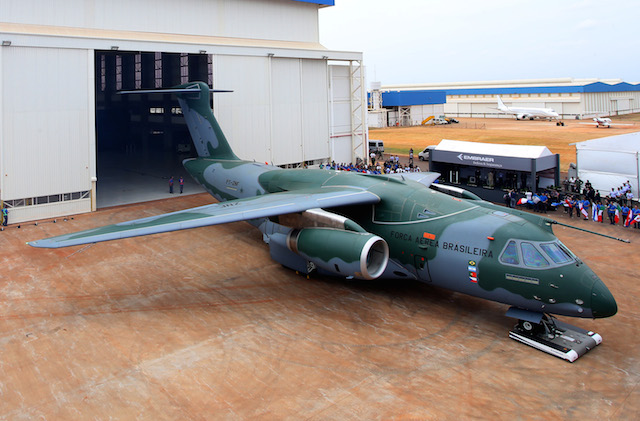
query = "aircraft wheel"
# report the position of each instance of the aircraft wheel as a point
(529, 327)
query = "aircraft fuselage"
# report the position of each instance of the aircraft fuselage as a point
(469, 246)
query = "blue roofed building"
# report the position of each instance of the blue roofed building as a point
(404, 107)
(569, 97)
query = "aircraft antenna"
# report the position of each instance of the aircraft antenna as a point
(551, 221)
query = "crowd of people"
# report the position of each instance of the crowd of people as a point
(618, 206)
(390, 166)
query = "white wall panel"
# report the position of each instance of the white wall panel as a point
(286, 111)
(52, 210)
(315, 117)
(341, 118)
(46, 128)
(340, 113)
(244, 114)
(263, 19)
(624, 163)
(278, 110)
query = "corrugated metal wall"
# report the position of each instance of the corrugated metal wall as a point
(286, 99)
(610, 103)
(340, 100)
(283, 20)
(47, 123)
(315, 113)
(244, 114)
(278, 111)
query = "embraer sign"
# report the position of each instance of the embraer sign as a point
(475, 158)
(478, 160)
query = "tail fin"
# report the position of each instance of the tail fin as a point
(501, 105)
(206, 133)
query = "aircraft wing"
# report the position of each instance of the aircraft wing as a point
(426, 178)
(219, 213)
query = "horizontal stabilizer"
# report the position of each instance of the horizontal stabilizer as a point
(190, 89)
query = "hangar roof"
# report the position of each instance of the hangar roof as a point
(320, 2)
(533, 86)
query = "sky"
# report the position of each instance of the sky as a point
(424, 41)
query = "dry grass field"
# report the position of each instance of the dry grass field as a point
(559, 139)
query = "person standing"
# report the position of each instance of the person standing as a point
(542, 205)
(625, 216)
(572, 204)
(611, 211)
(171, 185)
(411, 156)
(635, 213)
(586, 205)
(5, 216)
(181, 181)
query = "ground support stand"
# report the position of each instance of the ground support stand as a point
(547, 334)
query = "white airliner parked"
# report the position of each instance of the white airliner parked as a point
(529, 113)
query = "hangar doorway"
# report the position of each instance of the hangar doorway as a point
(141, 139)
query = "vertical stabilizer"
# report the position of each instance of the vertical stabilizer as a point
(501, 105)
(207, 136)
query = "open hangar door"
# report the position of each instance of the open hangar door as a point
(142, 139)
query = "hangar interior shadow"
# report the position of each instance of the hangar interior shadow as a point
(142, 139)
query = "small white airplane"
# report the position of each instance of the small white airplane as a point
(529, 113)
(605, 122)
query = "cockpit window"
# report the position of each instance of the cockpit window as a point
(532, 257)
(510, 254)
(557, 254)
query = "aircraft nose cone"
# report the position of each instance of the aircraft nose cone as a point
(602, 302)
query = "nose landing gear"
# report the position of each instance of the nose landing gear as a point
(547, 334)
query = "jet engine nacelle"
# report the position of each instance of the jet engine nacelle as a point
(346, 253)
(522, 116)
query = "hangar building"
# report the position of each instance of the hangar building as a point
(403, 108)
(69, 142)
(571, 98)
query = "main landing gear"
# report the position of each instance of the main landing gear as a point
(552, 336)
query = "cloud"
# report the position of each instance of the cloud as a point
(586, 25)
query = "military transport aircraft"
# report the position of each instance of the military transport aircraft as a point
(385, 227)
(529, 113)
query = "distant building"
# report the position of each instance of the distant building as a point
(571, 98)
(403, 108)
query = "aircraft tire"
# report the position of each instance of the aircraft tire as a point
(529, 327)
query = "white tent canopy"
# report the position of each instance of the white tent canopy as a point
(608, 162)
(516, 151)
(532, 166)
